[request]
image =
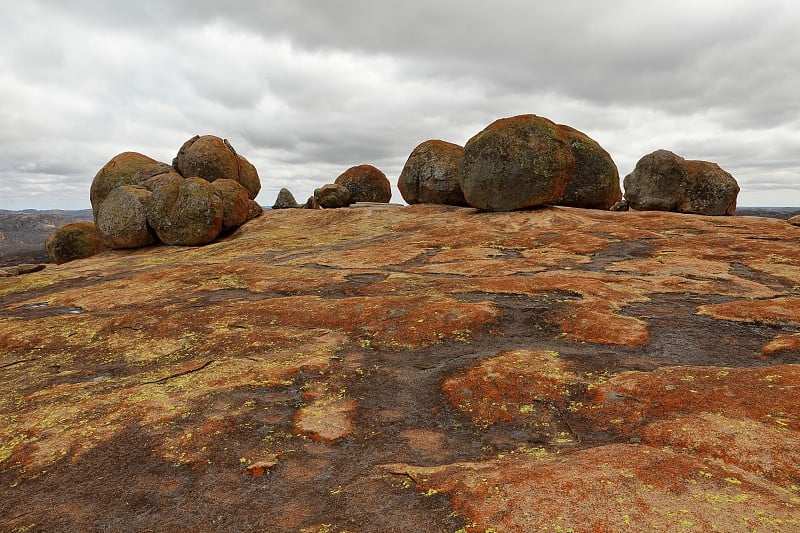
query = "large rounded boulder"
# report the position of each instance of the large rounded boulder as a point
(595, 182)
(366, 184)
(213, 158)
(431, 174)
(73, 241)
(235, 203)
(515, 163)
(122, 218)
(664, 181)
(187, 213)
(122, 169)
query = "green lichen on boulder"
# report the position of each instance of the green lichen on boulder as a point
(187, 213)
(516, 162)
(73, 241)
(120, 170)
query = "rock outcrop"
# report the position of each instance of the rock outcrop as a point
(431, 174)
(285, 200)
(664, 181)
(566, 368)
(125, 218)
(366, 184)
(794, 221)
(332, 196)
(73, 241)
(595, 182)
(516, 162)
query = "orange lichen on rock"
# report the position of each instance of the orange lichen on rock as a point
(521, 384)
(628, 401)
(783, 310)
(619, 487)
(782, 344)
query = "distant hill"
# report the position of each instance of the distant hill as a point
(22, 233)
(768, 212)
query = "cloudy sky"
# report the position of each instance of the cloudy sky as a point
(306, 89)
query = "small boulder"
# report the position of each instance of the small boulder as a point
(595, 181)
(285, 200)
(254, 210)
(120, 170)
(431, 174)
(622, 205)
(186, 213)
(235, 203)
(73, 241)
(19, 270)
(515, 163)
(366, 184)
(311, 203)
(794, 221)
(332, 196)
(664, 181)
(122, 218)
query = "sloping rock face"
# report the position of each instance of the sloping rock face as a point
(664, 181)
(431, 174)
(366, 184)
(556, 369)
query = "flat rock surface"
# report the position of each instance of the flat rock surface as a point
(425, 368)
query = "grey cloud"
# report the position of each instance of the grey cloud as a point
(305, 89)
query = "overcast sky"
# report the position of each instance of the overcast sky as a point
(307, 89)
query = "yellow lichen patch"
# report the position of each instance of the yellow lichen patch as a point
(609, 488)
(784, 310)
(70, 418)
(521, 384)
(327, 415)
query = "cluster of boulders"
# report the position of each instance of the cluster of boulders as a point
(527, 160)
(361, 183)
(514, 163)
(137, 201)
(663, 181)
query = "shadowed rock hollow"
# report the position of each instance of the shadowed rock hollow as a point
(425, 368)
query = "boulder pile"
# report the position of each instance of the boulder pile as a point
(664, 181)
(514, 163)
(208, 189)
